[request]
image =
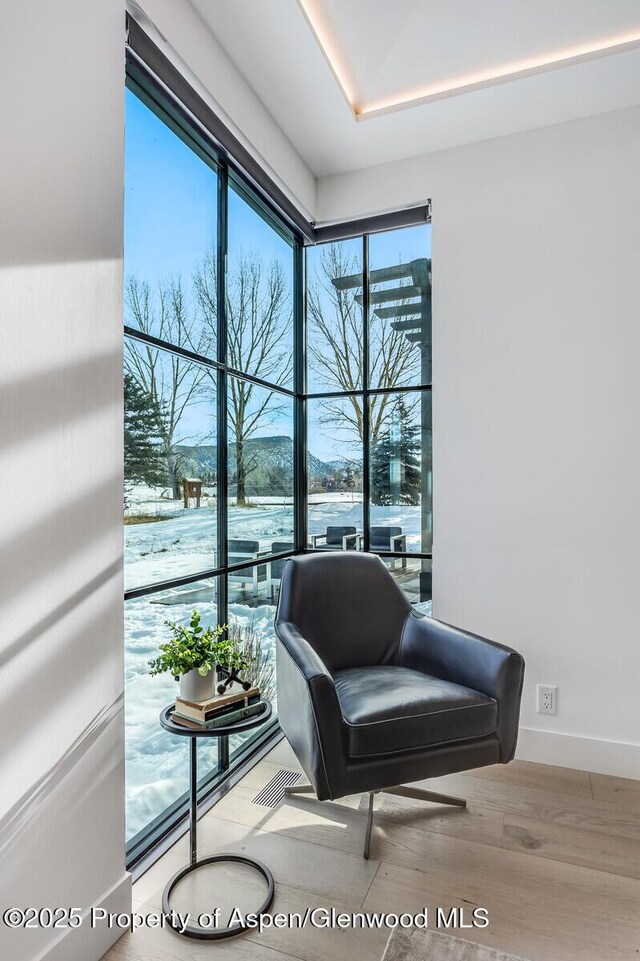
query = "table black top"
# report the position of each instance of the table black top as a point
(236, 728)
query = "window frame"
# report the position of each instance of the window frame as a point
(364, 394)
(144, 83)
(163, 825)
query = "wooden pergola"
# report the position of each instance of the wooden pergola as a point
(406, 304)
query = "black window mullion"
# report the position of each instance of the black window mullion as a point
(300, 415)
(268, 385)
(330, 395)
(222, 479)
(140, 335)
(366, 483)
(217, 572)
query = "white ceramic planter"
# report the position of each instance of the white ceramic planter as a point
(195, 687)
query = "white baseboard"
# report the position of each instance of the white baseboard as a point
(618, 758)
(85, 943)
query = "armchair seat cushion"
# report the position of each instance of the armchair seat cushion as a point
(389, 709)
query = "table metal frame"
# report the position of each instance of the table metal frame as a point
(195, 931)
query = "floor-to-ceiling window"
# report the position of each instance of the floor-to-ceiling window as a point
(210, 410)
(217, 491)
(369, 400)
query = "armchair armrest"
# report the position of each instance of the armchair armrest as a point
(349, 537)
(441, 650)
(309, 710)
(306, 659)
(317, 537)
(398, 542)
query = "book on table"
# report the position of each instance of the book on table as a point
(224, 719)
(233, 699)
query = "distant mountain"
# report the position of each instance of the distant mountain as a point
(198, 461)
(340, 463)
(269, 463)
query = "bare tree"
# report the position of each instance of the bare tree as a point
(171, 382)
(336, 345)
(259, 313)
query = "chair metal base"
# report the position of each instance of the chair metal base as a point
(400, 791)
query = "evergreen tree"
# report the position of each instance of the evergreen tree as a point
(395, 460)
(142, 451)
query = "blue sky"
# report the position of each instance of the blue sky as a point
(171, 223)
(171, 204)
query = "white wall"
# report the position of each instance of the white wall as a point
(536, 245)
(193, 48)
(61, 647)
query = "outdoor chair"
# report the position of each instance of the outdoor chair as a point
(240, 550)
(336, 539)
(388, 539)
(275, 567)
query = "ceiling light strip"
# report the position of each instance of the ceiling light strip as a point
(329, 49)
(490, 79)
(467, 84)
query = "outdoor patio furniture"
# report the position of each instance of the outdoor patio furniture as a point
(248, 551)
(388, 539)
(336, 539)
(275, 567)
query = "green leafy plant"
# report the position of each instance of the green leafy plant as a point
(230, 656)
(192, 648)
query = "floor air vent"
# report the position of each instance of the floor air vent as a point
(273, 791)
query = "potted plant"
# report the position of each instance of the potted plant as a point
(191, 656)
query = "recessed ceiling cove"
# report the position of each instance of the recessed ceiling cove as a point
(388, 56)
(425, 75)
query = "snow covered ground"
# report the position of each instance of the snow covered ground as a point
(185, 541)
(157, 762)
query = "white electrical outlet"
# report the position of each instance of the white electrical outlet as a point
(547, 699)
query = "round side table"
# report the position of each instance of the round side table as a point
(166, 720)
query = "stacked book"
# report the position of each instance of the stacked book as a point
(234, 705)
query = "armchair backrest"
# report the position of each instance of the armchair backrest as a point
(278, 547)
(335, 535)
(243, 547)
(347, 606)
(380, 537)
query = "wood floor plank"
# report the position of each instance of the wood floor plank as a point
(308, 867)
(549, 928)
(276, 944)
(341, 824)
(601, 815)
(573, 845)
(617, 790)
(154, 944)
(319, 944)
(553, 854)
(283, 754)
(560, 780)
(470, 871)
(150, 886)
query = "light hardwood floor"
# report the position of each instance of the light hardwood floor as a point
(552, 853)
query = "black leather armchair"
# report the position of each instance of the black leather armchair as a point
(372, 694)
